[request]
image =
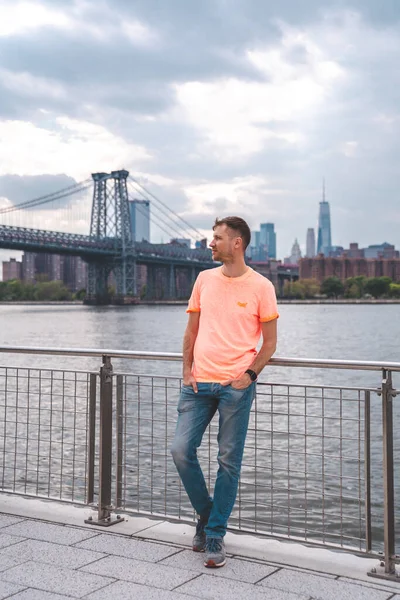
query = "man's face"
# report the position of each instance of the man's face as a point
(223, 243)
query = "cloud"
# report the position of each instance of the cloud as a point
(219, 106)
(81, 146)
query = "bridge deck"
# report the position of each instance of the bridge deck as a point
(47, 553)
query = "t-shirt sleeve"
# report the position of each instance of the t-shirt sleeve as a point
(268, 309)
(194, 300)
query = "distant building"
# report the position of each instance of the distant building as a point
(75, 273)
(310, 243)
(354, 251)
(344, 267)
(336, 251)
(268, 240)
(295, 255)
(49, 265)
(182, 242)
(12, 269)
(71, 270)
(28, 267)
(324, 243)
(140, 220)
(384, 250)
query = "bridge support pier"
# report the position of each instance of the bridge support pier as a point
(172, 283)
(151, 283)
(125, 271)
(97, 288)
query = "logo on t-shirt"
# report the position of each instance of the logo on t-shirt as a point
(242, 304)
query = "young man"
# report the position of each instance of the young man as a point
(230, 307)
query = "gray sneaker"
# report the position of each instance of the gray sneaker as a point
(215, 553)
(199, 540)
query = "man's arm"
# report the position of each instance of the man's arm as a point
(189, 339)
(269, 335)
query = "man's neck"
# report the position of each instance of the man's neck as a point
(235, 269)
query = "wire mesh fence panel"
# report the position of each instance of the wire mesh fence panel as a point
(150, 481)
(303, 473)
(43, 432)
(304, 466)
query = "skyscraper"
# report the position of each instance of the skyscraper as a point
(140, 220)
(268, 239)
(324, 226)
(310, 244)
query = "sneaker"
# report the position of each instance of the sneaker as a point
(199, 540)
(215, 552)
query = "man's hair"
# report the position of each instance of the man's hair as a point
(238, 225)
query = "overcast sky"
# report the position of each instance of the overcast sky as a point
(221, 106)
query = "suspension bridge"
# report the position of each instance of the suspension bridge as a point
(109, 248)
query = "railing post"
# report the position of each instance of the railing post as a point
(389, 561)
(105, 451)
(367, 469)
(119, 423)
(91, 437)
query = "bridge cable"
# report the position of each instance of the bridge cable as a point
(156, 223)
(73, 189)
(161, 202)
(181, 232)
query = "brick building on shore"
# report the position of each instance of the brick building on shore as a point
(343, 267)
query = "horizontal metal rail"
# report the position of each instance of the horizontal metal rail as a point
(314, 363)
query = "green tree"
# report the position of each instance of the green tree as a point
(354, 286)
(311, 287)
(378, 286)
(332, 287)
(80, 294)
(394, 290)
(52, 291)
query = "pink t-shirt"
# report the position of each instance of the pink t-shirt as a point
(231, 312)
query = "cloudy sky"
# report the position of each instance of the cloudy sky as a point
(219, 106)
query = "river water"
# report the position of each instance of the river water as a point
(352, 332)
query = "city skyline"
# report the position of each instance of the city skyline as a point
(246, 124)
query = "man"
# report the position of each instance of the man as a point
(230, 307)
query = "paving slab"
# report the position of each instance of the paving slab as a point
(128, 547)
(145, 573)
(8, 540)
(66, 513)
(7, 589)
(240, 570)
(226, 589)
(53, 554)
(321, 588)
(122, 590)
(59, 534)
(32, 594)
(378, 584)
(7, 563)
(6, 520)
(55, 579)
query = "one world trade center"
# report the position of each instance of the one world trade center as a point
(324, 243)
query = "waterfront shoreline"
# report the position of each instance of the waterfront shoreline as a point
(344, 301)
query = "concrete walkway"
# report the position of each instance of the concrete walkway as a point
(48, 553)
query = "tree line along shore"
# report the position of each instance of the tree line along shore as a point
(331, 289)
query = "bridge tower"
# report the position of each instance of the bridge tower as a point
(111, 219)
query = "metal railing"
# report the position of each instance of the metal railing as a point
(318, 465)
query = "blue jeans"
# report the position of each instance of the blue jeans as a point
(195, 412)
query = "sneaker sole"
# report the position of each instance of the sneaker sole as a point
(197, 549)
(213, 565)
